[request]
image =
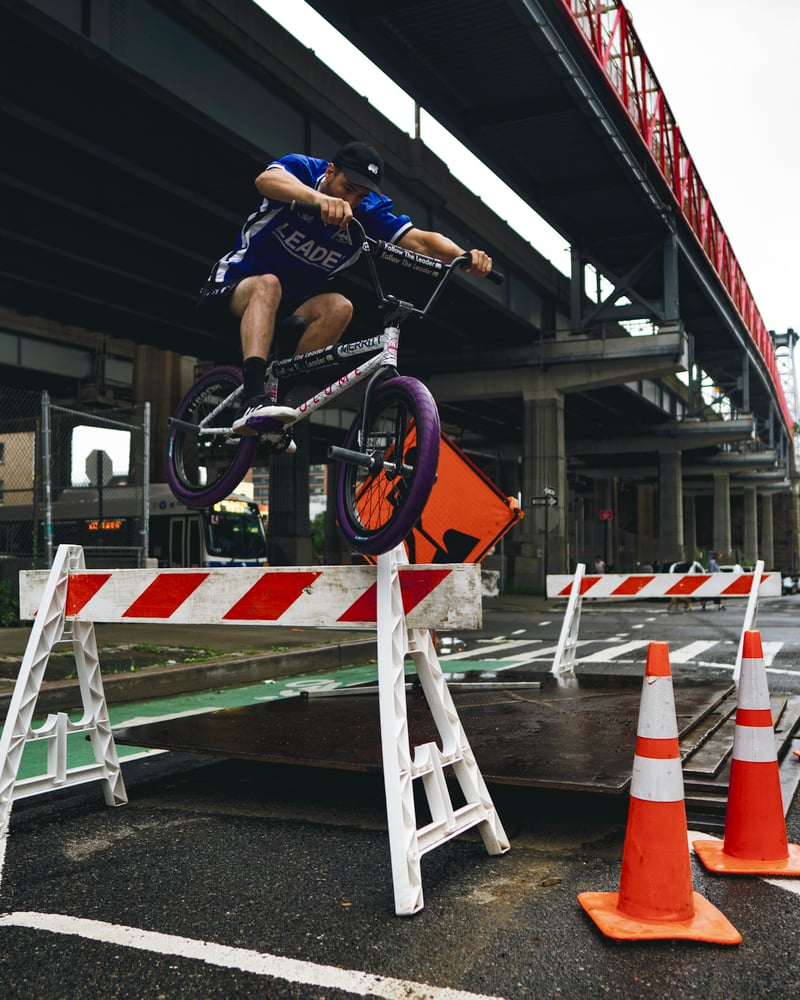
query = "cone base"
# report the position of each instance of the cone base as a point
(712, 854)
(707, 924)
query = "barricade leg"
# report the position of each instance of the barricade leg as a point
(49, 628)
(750, 616)
(407, 843)
(563, 668)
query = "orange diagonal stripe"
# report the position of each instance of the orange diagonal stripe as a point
(271, 596)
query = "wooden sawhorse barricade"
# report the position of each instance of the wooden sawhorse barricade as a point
(403, 601)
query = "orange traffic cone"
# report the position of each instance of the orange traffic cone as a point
(655, 898)
(755, 827)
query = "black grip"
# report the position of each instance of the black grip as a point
(496, 277)
(309, 207)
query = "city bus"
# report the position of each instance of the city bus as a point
(110, 525)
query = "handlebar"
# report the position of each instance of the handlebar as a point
(394, 254)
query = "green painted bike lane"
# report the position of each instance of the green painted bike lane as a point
(79, 750)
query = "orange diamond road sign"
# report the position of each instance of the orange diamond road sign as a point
(466, 514)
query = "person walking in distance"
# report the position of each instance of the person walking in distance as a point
(284, 255)
(713, 567)
(599, 564)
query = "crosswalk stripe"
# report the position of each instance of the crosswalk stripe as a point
(518, 652)
(616, 651)
(689, 652)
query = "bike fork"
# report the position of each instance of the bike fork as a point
(373, 463)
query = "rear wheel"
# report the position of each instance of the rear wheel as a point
(203, 468)
(378, 508)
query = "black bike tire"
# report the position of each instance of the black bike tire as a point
(414, 399)
(242, 449)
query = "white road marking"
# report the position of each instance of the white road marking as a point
(689, 652)
(259, 963)
(611, 654)
(789, 884)
(496, 648)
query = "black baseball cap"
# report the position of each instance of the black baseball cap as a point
(362, 164)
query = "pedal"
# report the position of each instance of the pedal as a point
(284, 443)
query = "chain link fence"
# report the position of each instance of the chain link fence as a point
(71, 474)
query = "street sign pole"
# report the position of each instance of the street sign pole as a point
(548, 500)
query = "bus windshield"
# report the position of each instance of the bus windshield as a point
(235, 530)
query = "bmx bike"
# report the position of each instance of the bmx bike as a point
(387, 463)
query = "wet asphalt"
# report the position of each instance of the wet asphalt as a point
(257, 864)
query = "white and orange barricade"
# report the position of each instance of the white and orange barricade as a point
(656, 899)
(401, 602)
(654, 586)
(755, 827)
(649, 586)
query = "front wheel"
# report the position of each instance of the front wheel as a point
(378, 508)
(204, 462)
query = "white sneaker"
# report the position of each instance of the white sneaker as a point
(266, 419)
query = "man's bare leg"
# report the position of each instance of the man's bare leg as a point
(326, 317)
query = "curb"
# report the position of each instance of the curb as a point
(164, 682)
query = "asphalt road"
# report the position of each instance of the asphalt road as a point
(233, 879)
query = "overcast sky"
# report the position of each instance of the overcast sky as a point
(729, 71)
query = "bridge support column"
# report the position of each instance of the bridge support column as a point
(544, 464)
(161, 378)
(689, 525)
(722, 513)
(605, 498)
(750, 524)
(767, 546)
(645, 525)
(289, 528)
(671, 547)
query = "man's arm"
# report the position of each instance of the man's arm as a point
(443, 248)
(281, 185)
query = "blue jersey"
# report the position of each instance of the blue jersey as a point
(300, 249)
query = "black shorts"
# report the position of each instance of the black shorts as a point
(214, 305)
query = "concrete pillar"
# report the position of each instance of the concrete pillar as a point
(161, 378)
(750, 524)
(767, 547)
(289, 527)
(337, 551)
(605, 531)
(544, 464)
(689, 526)
(722, 514)
(670, 519)
(645, 524)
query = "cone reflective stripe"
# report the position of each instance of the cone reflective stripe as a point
(755, 828)
(655, 898)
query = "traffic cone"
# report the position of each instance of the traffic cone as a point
(755, 827)
(655, 898)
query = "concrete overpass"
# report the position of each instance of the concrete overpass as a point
(132, 155)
